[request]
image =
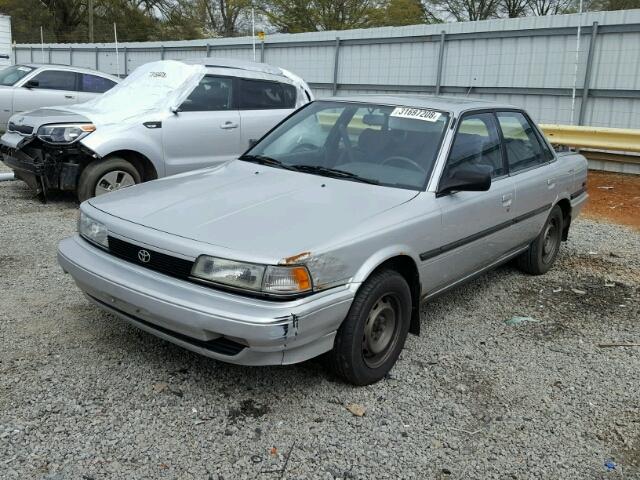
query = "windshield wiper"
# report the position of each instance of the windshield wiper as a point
(333, 172)
(264, 160)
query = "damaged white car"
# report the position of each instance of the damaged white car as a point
(167, 117)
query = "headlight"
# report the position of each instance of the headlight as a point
(275, 280)
(64, 133)
(93, 231)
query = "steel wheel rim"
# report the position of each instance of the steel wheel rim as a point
(380, 331)
(550, 241)
(112, 181)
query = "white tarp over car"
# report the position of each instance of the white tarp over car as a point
(151, 87)
(164, 85)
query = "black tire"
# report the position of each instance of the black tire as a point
(353, 357)
(543, 251)
(96, 172)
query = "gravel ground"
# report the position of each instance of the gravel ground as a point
(85, 396)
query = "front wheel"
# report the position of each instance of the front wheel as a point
(372, 336)
(104, 176)
(542, 252)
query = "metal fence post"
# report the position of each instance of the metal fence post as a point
(49, 53)
(124, 51)
(587, 74)
(162, 52)
(262, 51)
(97, 58)
(15, 55)
(336, 60)
(31, 54)
(443, 38)
(70, 55)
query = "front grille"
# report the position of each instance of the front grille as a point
(160, 262)
(24, 129)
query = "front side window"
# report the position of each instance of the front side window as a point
(263, 95)
(211, 94)
(95, 84)
(476, 146)
(56, 80)
(380, 144)
(10, 75)
(522, 145)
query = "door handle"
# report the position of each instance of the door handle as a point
(228, 125)
(551, 183)
(69, 96)
(507, 200)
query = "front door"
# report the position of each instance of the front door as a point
(474, 225)
(53, 88)
(205, 130)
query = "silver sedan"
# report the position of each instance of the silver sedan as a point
(328, 234)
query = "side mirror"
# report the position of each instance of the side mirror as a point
(465, 180)
(175, 110)
(32, 84)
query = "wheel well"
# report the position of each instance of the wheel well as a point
(405, 266)
(565, 206)
(142, 163)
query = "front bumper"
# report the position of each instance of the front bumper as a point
(203, 319)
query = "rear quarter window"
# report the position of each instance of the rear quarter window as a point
(95, 84)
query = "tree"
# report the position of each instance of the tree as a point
(465, 10)
(295, 16)
(549, 7)
(223, 17)
(402, 12)
(514, 8)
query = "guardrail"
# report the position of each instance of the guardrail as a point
(597, 138)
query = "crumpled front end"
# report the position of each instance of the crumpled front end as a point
(43, 166)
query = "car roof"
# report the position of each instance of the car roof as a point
(69, 67)
(455, 105)
(241, 65)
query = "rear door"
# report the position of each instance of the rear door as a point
(535, 183)
(53, 87)
(474, 224)
(263, 104)
(93, 85)
(206, 129)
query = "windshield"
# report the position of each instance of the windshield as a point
(10, 75)
(380, 144)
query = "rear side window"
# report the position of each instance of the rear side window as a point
(524, 148)
(477, 146)
(95, 84)
(264, 95)
(211, 94)
(56, 80)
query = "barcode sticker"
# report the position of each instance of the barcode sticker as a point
(416, 114)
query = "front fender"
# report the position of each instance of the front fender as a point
(145, 141)
(381, 256)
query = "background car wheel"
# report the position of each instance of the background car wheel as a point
(542, 252)
(372, 336)
(104, 176)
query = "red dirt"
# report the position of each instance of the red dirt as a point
(620, 204)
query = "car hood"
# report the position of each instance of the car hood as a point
(253, 209)
(46, 116)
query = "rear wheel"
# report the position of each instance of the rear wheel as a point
(104, 176)
(372, 336)
(542, 252)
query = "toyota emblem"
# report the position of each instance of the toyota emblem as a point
(144, 256)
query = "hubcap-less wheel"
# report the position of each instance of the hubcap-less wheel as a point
(114, 180)
(551, 240)
(380, 331)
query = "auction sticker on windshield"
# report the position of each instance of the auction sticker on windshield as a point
(416, 113)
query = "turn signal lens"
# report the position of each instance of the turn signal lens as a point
(287, 280)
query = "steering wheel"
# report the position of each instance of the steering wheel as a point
(398, 158)
(304, 147)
